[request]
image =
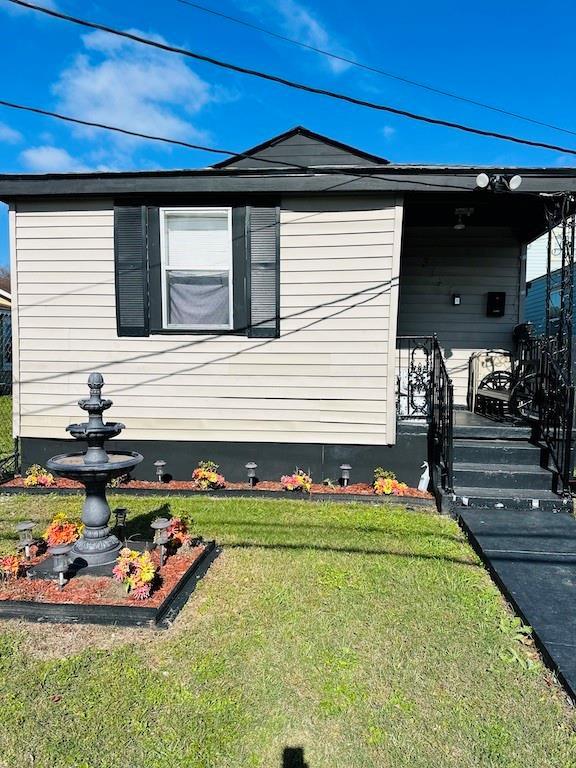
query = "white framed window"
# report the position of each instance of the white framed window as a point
(196, 264)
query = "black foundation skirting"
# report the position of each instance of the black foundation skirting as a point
(322, 460)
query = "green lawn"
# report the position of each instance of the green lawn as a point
(369, 636)
(6, 440)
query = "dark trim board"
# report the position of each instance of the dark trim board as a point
(405, 458)
(116, 615)
(375, 179)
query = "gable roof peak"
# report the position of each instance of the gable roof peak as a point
(301, 147)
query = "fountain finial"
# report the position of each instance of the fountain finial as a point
(95, 381)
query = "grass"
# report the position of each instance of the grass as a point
(6, 440)
(368, 636)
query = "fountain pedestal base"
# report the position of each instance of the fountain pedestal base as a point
(90, 553)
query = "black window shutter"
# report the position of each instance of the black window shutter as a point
(131, 270)
(264, 271)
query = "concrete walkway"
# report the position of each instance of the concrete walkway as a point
(532, 557)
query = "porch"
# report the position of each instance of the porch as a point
(498, 401)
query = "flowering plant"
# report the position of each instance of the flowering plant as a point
(62, 531)
(178, 532)
(136, 571)
(11, 567)
(298, 481)
(206, 476)
(386, 486)
(36, 475)
(383, 474)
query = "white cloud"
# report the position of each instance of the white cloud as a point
(9, 135)
(565, 161)
(388, 131)
(18, 10)
(127, 85)
(299, 22)
(48, 159)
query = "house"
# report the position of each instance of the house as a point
(278, 307)
(5, 342)
(535, 303)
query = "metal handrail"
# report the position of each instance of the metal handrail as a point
(441, 420)
(543, 394)
(413, 377)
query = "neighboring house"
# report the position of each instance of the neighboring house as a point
(537, 256)
(535, 304)
(251, 310)
(5, 342)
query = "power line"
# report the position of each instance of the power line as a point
(217, 150)
(293, 84)
(117, 129)
(375, 70)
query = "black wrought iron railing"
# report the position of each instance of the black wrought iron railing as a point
(413, 376)
(441, 421)
(542, 393)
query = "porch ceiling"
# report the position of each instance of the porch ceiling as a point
(522, 213)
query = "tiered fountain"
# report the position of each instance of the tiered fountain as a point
(94, 468)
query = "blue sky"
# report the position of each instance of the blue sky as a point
(491, 51)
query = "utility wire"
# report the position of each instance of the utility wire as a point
(126, 131)
(289, 166)
(375, 70)
(291, 83)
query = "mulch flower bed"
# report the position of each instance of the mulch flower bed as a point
(357, 489)
(101, 590)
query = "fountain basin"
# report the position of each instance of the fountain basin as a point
(85, 430)
(73, 466)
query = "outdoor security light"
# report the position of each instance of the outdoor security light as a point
(345, 474)
(498, 183)
(482, 181)
(251, 468)
(25, 538)
(160, 464)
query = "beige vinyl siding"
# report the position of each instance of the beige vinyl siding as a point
(325, 380)
(437, 263)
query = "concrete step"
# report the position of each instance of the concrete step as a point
(497, 451)
(492, 431)
(490, 498)
(502, 477)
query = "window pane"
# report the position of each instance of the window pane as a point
(198, 240)
(198, 299)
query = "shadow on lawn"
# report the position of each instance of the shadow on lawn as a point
(139, 527)
(343, 528)
(348, 550)
(293, 757)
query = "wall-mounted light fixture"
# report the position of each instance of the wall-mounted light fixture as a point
(497, 182)
(461, 214)
(456, 299)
